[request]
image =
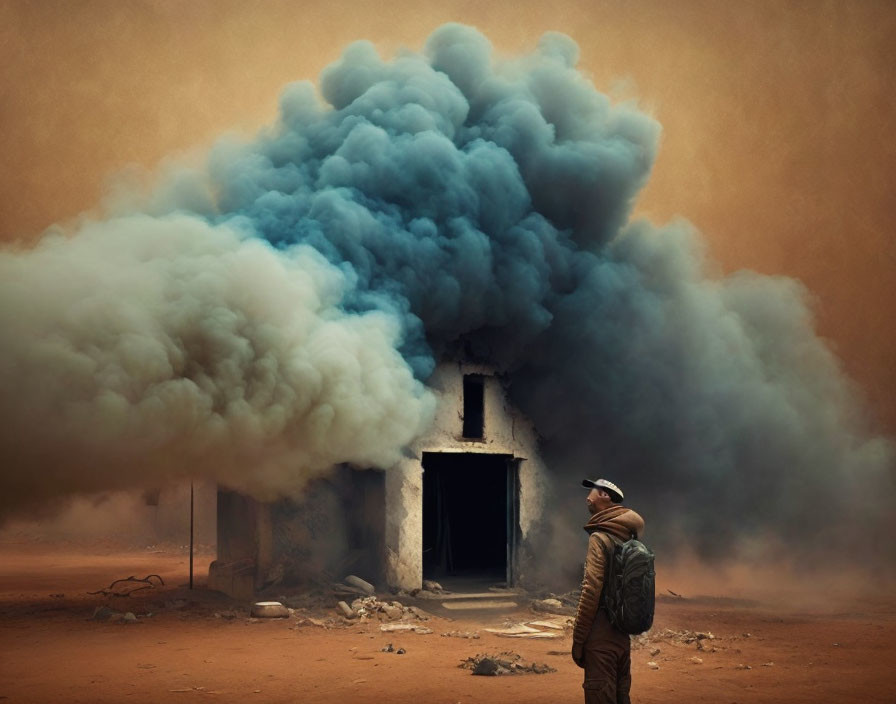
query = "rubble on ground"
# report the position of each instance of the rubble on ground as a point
(703, 639)
(390, 649)
(394, 627)
(430, 590)
(370, 608)
(104, 613)
(537, 629)
(506, 663)
(564, 604)
(472, 635)
(523, 631)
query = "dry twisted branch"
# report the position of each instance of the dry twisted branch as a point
(147, 580)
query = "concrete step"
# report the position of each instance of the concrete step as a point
(470, 604)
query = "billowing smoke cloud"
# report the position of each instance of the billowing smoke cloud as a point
(148, 349)
(479, 207)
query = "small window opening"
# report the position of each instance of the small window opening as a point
(474, 411)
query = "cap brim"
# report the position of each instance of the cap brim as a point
(589, 483)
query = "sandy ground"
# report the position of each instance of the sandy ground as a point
(51, 650)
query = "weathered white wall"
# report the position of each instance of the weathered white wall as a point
(506, 432)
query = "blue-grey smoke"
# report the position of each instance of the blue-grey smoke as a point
(484, 204)
(487, 204)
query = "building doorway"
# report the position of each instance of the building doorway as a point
(470, 517)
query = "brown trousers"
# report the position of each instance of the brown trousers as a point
(608, 677)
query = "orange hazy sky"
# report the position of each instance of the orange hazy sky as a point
(777, 116)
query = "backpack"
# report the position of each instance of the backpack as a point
(628, 593)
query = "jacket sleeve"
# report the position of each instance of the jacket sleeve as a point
(592, 584)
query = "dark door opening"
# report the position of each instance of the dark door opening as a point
(469, 515)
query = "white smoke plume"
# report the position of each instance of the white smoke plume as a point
(145, 349)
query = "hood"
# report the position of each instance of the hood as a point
(616, 520)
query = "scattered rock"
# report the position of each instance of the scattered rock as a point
(102, 613)
(393, 613)
(432, 586)
(696, 660)
(654, 652)
(400, 651)
(129, 617)
(768, 664)
(653, 666)
(743, 667)
(387, 649)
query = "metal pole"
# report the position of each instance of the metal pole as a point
(191, 535)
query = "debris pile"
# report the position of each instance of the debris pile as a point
(430, 590)
(704, 640)
(471, 635)
(543, 629)
(506, 663)
(564, 604)
(368, 608)
(104, 613)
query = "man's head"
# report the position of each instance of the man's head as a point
(603, 494)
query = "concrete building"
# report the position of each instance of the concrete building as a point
(458, 508)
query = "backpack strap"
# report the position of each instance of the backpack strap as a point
(608, 543)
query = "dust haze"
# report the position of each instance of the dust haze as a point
(718, 406)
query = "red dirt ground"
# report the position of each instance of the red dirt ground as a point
(51, 651)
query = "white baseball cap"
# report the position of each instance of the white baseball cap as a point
(614, 491)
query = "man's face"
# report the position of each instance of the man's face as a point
(597, 500)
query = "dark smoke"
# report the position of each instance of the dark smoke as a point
(484, 205)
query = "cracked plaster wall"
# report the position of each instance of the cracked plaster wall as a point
(506, 432)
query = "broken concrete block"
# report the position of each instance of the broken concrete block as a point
(269, 609)
(365, 586)
(346, 610)
(393, 613)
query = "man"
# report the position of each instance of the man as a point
(600, 649)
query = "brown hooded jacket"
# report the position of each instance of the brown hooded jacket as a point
(617, 521)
